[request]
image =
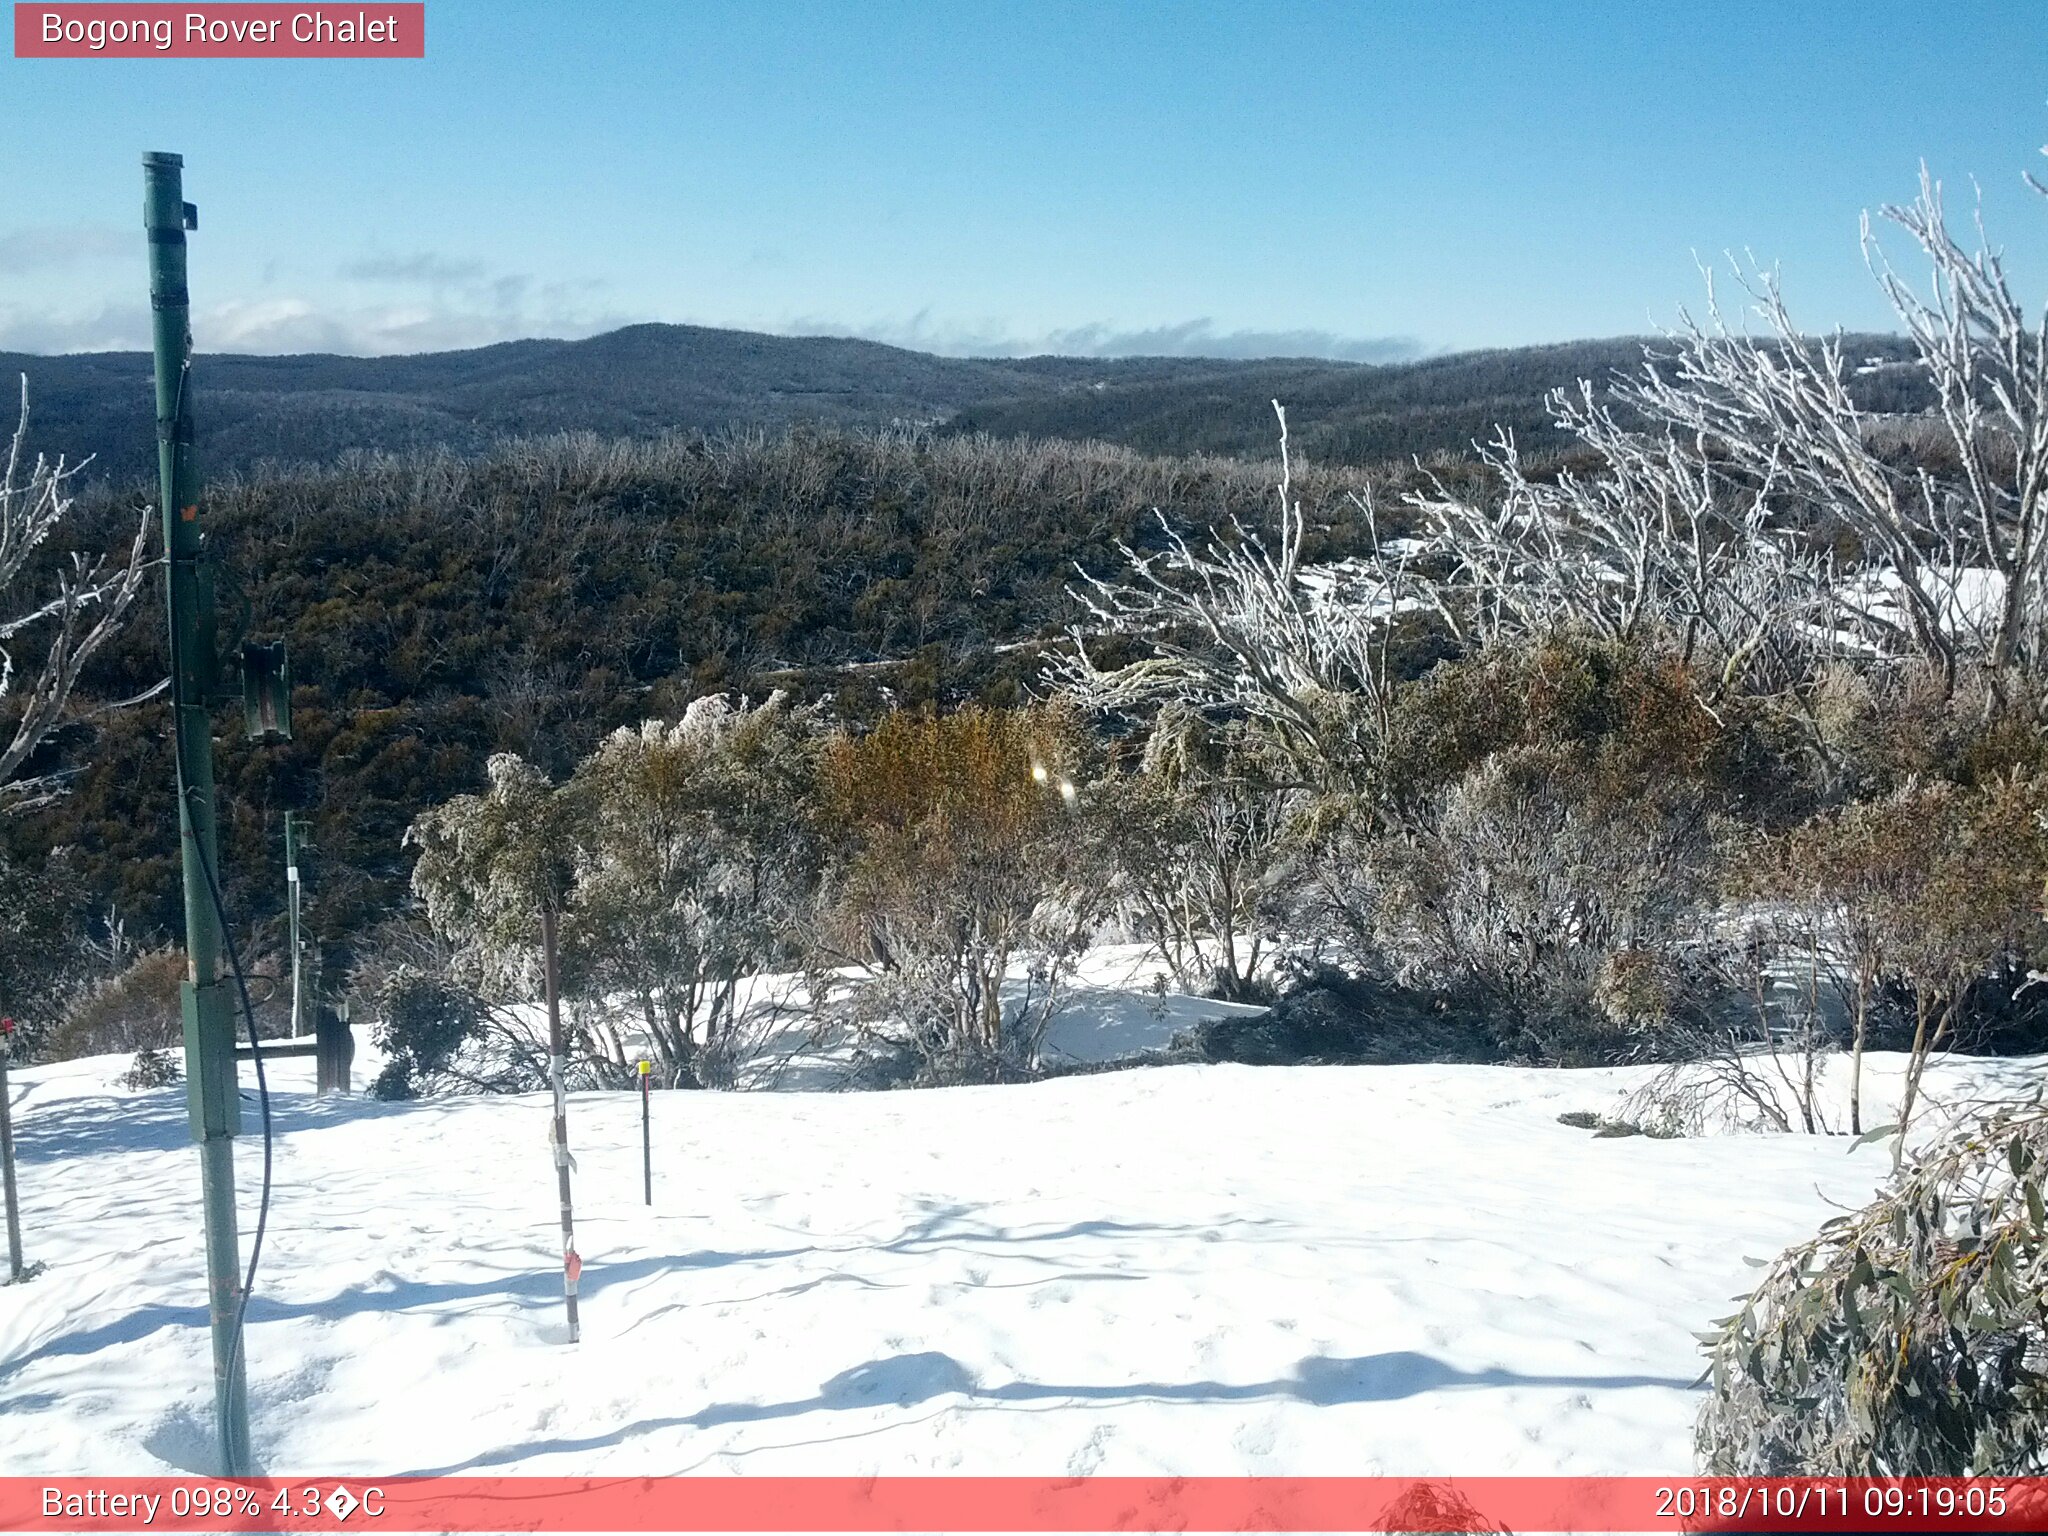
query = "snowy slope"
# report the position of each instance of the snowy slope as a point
(1188, 1269)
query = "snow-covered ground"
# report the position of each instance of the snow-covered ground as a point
(1175, 1270)
(1116, 1003)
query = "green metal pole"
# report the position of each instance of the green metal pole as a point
(16, 1270)
(209, 1014)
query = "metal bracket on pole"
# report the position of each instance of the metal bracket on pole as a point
(211, 1098)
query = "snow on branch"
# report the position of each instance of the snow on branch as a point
(91, 601)
(1657, 545)
(1237, 623)
(1742, 509)
(1946, 528)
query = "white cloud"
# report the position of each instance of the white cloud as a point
(427, 302)
(56, 247)
(1187, 338)
(429, 268)
(289, 325)
(422, 302)
(116, 328)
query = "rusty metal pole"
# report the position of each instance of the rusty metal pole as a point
(558, 1138)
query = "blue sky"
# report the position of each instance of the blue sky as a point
(1356, 180)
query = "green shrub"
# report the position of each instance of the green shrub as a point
(960, 846)
(1534, 885)
(424, 1021)
(1907, 1339)
(136, 1009)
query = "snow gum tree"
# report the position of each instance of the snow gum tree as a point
(488, 865)
(694, 869)
(676, 859)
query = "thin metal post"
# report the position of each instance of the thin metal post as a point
(572, 1265)
(291, 875)
(16, 1270)
(209, 1016)
(646, 1130)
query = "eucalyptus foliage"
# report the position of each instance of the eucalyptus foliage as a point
(675, 859)
(1907, 1339)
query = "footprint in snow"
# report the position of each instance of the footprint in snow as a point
(1090, 1455)
(181, 1441)
(1256, 1439)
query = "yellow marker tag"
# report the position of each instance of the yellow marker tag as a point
(646, 1067)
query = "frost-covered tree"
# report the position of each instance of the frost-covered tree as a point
(1946, 510)
(1748, 508)
(1741, 506)
(1657, 545)
(61, 617)
(693, 867)
(1239, 625)
(675, 859)
(487, 866)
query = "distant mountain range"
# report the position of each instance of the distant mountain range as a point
(647, 379)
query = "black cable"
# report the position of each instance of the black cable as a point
(262, 1096)
(220, 913)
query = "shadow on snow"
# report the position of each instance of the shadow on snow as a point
(904, 1381)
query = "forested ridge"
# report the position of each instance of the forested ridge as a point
(646, 380)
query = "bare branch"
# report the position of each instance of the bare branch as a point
(71, 625)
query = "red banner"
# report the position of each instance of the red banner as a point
(984, 1504)
(239, 31)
